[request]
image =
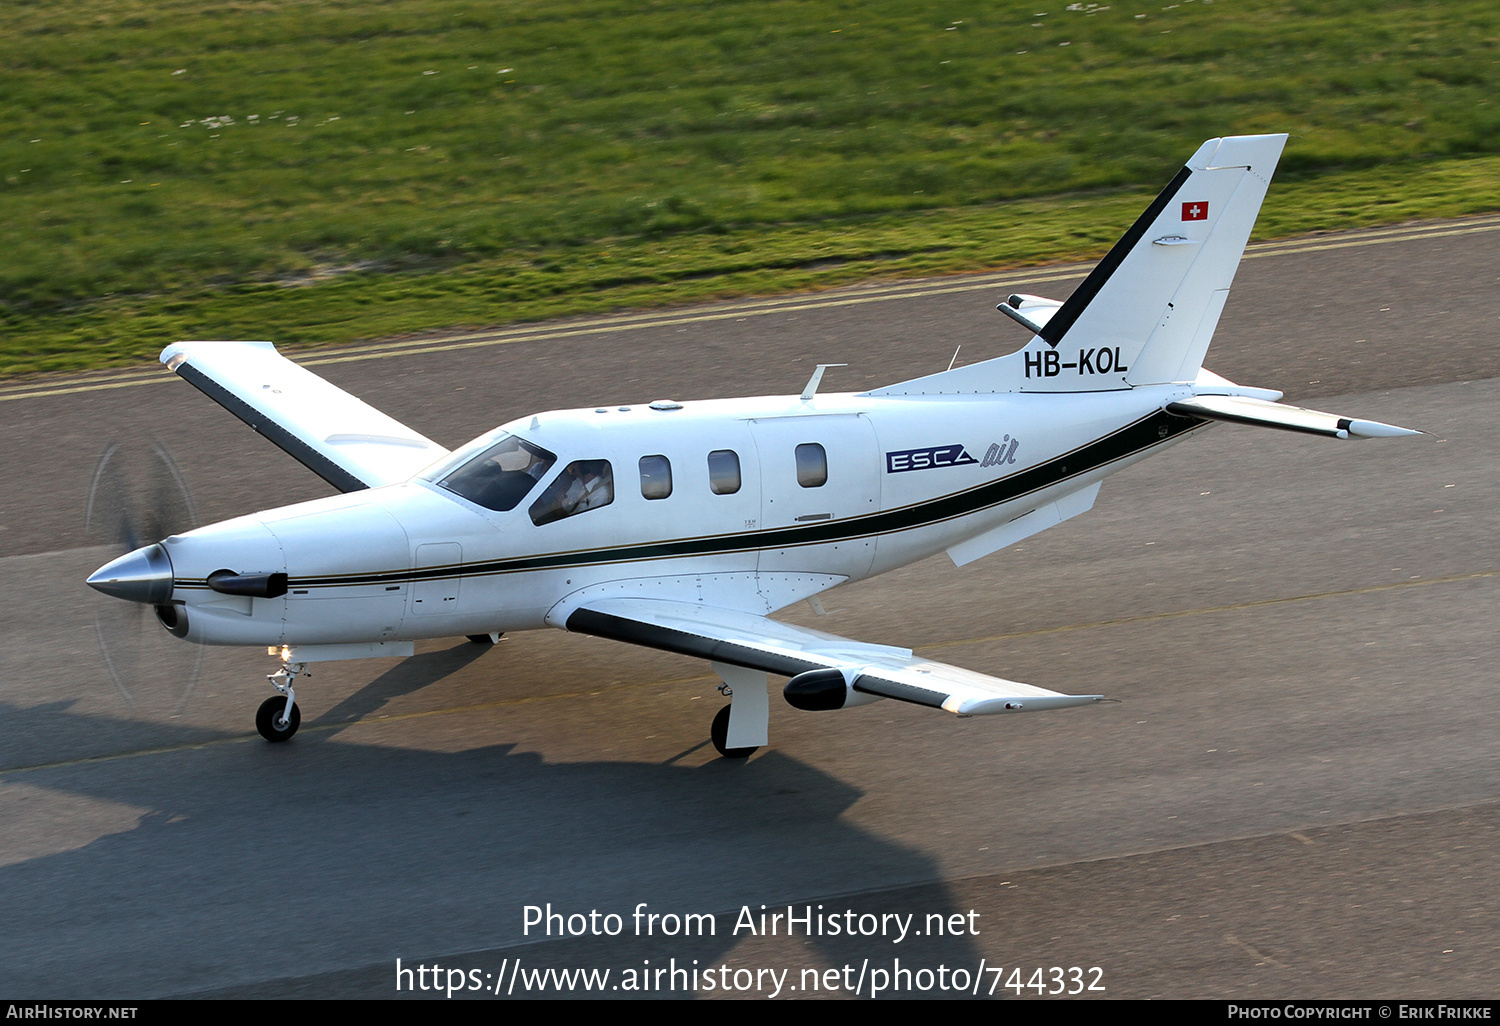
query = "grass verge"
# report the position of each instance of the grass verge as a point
(326, 172)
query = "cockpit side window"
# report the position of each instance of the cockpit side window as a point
(582, 486)
(501, 476)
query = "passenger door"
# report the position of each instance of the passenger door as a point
(819, 474)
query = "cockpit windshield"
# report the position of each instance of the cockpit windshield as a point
(501, 476)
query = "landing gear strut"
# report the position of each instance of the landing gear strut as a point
(278, 718)
(748, 707)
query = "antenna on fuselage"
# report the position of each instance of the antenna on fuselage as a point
(811, 389)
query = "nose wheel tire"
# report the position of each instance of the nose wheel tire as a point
(268, 719)
(719, 734)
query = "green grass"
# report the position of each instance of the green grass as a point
(316, 173)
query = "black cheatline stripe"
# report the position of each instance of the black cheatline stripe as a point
(1142, 434)
(1054, 330)
(279, 436)
(669, 639)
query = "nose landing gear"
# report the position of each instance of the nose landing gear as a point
(274, 721)
(278, 718)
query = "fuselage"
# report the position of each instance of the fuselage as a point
(756, 502)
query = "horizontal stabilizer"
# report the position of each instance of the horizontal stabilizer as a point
(343, 440)
(759, 643)
(1239, 409)
(1031, 312)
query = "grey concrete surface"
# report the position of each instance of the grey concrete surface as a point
(1294, 795)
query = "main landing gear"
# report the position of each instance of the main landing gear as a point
(278, 717)
(748, 708)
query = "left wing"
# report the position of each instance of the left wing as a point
(342, 439)
(827, 671)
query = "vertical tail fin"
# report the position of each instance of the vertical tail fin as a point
(1146, 313)
(1158, 293)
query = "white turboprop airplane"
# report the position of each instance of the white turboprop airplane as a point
(683, 526)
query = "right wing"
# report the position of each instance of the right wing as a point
(1244, 409)
(824, 665)
(343, 440)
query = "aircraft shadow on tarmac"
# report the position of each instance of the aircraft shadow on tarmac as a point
(407, 677)
(250, 865)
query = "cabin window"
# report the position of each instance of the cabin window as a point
(656, 477)
(812, 465)
(582, 486)
(724, 471)
(501, 476)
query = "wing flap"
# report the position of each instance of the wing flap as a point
(342, 439)
(759, 643)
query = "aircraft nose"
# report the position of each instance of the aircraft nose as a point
(144, 575)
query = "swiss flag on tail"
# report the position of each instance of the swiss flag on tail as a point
(1195, 211)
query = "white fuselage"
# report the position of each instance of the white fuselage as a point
(904, 477)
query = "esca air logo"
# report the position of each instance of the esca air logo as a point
(926, 459)
(1195, 211)
(998, 455)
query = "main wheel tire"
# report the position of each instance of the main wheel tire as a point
(481, 639)
(268, 717)
(719, 734)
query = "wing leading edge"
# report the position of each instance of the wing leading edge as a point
(758, 643)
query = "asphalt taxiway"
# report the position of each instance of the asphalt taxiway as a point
(1296, 792)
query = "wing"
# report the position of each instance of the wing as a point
(1243, 409)
(759, 643)
(343, 440)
